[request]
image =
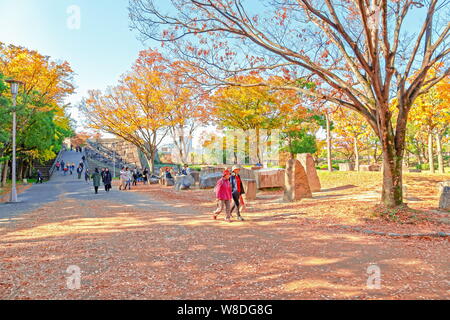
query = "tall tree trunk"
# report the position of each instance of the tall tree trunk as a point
(355, 141)
(2, 167)
(330, 164)
(393, 146)
(20, 171)
(430, 152)
(150, 157)
(5, 173)
(439, 152)
(258, 147)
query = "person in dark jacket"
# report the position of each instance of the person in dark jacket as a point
(237, 190)
(96, 178)
(79, 171)
(145, 176)
(103, 174)
(87, 175)
(39, 177)
(107, 180)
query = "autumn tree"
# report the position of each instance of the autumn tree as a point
(143, 108)
(190, 108)
(431, 114)
(42, 119)
(360, 49)
(246, 108)
(351, 125)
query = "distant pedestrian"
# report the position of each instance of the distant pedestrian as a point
(103, 174)
(58, 165)
(123, 178)
(135, 175)
(107, 180)
(223, 195)
(145, 176)
(128, 177)
(87, 176)
(96, 178)
(79, 171)
(186, 170)
(39, 176)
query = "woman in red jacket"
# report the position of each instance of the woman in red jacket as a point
(223, 195)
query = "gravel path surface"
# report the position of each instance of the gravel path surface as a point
(152, 243)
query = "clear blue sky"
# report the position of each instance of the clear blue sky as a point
(99, 51)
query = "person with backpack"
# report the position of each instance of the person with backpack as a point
(223, 196)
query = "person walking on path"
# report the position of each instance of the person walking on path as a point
(63, 165)
(103, 174)
(87, 175)
(58, 165)
(39, 176)
(96, 178)
(135, 177)
(79, 171)
(223, 195)
(237, 190)
(107, 180)
(123, 178)
(145, 176)
(129, 177)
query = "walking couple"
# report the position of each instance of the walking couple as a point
(228, 188)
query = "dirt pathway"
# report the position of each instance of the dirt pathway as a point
(128, 246)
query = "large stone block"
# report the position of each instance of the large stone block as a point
(346, 167)
(211, 170)
(370, 168)
(169, 182)
(247, 174)
(209, 181)
(297, 185)
(269, 178)
(444, 199)
(309, 165)
(184, 182)
(250, 189)
(196, 176)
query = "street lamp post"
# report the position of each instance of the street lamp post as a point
(14, 91)
(114, 159)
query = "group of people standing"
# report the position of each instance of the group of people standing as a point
(65, 168)
(104, 177)
(230, 188)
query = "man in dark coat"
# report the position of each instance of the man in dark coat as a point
(107, 180)
(237, 190)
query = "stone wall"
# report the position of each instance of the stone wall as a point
(124, 150)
